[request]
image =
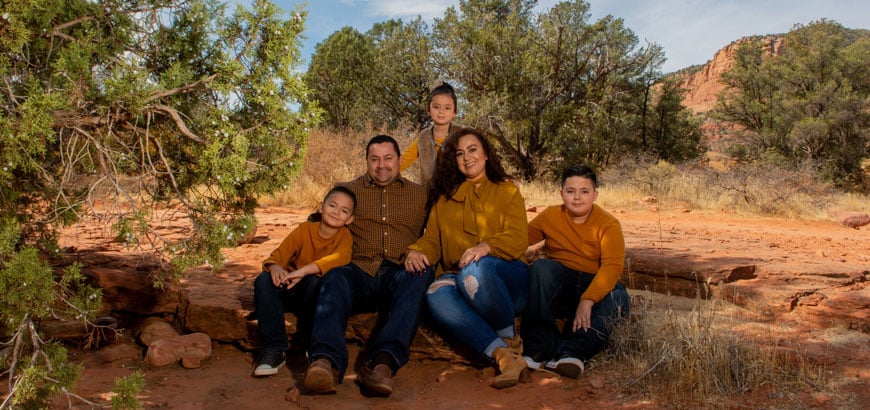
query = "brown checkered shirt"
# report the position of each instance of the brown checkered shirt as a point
(387, 220)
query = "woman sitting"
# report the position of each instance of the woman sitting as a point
(475, 237)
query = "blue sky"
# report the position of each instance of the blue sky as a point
(690, 31)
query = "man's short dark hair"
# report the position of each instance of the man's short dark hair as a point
(380, 139)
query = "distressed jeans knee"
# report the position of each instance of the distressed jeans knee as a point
(440, 283)
(471, 286)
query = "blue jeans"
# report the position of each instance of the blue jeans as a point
(478, 305)
(555, 292)
(349, 289)
(270, 303)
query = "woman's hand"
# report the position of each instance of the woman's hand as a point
(416, 262)
(473, 254)
(583, 316)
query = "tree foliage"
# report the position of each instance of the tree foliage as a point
(340, 72)
(403, 72)
(671, 132)
(544, 85)
(809, 104)
(143, 104)
(147, 101)
(380, 78)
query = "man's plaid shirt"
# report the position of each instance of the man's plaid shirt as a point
(387, 220)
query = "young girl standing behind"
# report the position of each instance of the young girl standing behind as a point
(441, 107)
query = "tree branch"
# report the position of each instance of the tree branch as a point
(180, 90)
(56, 31)
(179, 122)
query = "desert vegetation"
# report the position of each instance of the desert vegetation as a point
(686, 356)
(701, 185)
(115, 110)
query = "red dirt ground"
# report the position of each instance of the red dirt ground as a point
(224, 381)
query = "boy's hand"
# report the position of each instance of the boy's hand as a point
(583, 316)
(292, 279)
(278, 274)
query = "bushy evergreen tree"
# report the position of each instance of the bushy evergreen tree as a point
(380, 78)
(810, 105)
(548, 86)
(142, 104)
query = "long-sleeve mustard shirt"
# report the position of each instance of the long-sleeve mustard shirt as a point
(491, 212)
(596, 246)
(304, 245)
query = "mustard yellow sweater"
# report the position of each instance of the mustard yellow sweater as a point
(595, 246)
(304, 245)
(492, 212)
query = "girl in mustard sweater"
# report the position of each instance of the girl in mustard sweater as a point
(578, 280)
(475, 238)
(291, 276)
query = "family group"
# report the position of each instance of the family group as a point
(450, 250)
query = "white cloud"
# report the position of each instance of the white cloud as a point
(410, 8)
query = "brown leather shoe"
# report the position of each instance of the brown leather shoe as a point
(321, 377)
(379, 380)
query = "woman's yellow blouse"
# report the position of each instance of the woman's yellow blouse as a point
(490, 212)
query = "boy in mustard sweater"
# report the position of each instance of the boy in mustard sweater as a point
(578, 280)
(290, 280)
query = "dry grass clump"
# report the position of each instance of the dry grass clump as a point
(540, 194)
(752, 190)
(690, 356)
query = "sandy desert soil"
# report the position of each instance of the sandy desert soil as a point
(224, 382)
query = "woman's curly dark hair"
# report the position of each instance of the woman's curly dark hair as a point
(447, 175)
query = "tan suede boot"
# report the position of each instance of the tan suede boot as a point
(514, 343)
(512, 368)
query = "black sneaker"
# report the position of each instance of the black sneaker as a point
(269, 364)
(567, 366)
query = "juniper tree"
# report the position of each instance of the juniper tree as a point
(807, 106)
(146, 104)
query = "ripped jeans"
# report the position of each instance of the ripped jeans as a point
(478, 304)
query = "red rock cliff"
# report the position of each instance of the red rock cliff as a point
(703, 86)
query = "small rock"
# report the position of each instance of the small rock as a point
(191, 348)
(190, 362)
(856, 221)
(119, 352)
(822, 398)
(154, 329)
(292, 395)
(596, 382)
